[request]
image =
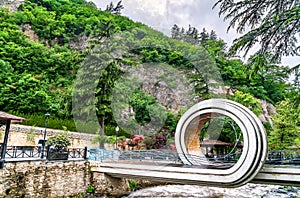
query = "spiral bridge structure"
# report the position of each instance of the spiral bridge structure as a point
(254, 150)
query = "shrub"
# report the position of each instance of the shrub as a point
(59, 141)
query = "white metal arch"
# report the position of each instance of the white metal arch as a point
(255, 141)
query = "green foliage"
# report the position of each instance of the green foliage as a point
(249, 101)
(100, 139)
(133, 184)
(273, 24)
(110, 130)
(110, 139)
(90, 189)
(59, 141)
(222, 128)
(53, 122)
(30, 136)
(148, 141)
(142, 104)
(171, 121)
(286, 130)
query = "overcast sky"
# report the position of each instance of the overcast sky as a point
(163, 14)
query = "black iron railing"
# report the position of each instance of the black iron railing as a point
(23, 152)
(77, 153)
(29, 152)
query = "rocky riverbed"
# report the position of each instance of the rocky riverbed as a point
(247, 191)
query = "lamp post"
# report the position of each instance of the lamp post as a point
(117, 130)
(47, 115)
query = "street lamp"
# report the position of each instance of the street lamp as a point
(47, 115)
(117, 130)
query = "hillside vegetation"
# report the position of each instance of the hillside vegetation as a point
(55, 55)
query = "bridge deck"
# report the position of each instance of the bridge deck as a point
(176, 173)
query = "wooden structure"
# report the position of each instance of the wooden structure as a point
(6, 119)
(221, 147)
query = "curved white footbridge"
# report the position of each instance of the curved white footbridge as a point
(199, 170)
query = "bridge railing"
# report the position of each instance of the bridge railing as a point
(283, 157)
(22, 151)
(133, 155)
(27, 152)
(77, 153)
(150, 155)
(101, 154)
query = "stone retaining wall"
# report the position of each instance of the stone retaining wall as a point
(37, 179)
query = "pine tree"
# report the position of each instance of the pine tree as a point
(274, 25)
(204, 37)
(175, 32)
(114, 9)
(213, 35)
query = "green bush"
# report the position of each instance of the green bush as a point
(110, 130)
(90, 189)
(132, 184)
(59, 141)
(53, 122)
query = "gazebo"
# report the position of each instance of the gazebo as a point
(7, 119)
(219, 145)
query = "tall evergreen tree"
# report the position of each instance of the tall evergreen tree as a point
(175, 32)
(274, 24)
(204, 36)
(213, 35)
(192, 36)
(114, 9)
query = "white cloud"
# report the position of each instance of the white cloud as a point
(163, 14)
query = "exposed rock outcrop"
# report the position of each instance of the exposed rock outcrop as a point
(268, 110)
(11, 4)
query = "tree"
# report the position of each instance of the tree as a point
(104, 91)
(286, 128)
(204, 36)
(175, 32)
(192, 36)
(115, 9)
(213, 35)
(274, 25)
(247, 100)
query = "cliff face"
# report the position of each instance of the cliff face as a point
(168, 85)
(11, 4)
(173, 90)
(268, 110)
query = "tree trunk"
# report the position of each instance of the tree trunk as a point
(101, 121)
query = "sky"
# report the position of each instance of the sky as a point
(163, 14)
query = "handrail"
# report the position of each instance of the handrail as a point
(26, 152)
(290, 157)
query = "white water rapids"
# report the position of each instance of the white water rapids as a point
(247, 191)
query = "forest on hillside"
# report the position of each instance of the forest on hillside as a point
(69, 58)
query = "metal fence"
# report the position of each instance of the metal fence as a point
(101, 154)
(282, 157)
(134, 155)
(29, 152)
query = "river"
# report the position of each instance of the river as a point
(246, 191)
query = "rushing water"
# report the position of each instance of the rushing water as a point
(247, 191)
